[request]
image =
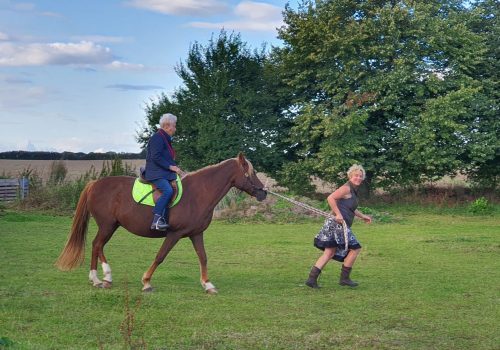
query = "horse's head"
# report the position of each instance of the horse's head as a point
(248, 181)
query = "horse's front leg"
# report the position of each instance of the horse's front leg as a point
(169, 242)
(199, 247)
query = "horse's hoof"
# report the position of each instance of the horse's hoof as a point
(98, 285)
(106, 284)
(147, 290)
(212, 291)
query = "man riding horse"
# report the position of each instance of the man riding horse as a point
(161, 168)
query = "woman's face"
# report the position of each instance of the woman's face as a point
(170, 128)
(356, 178)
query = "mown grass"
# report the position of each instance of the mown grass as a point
(427, 281)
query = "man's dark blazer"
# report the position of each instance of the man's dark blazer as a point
(159, 157)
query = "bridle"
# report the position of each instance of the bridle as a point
(252, 185)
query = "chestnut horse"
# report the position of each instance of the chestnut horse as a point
(109, 201)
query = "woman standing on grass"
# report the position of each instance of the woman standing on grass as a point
(343, 202)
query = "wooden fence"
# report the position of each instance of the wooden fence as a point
(12, 189)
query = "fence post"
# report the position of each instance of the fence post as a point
(24, 185)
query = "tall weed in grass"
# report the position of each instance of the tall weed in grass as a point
(58, 172)
(129, 327)
(33, 176)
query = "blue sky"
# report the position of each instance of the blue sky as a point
(75, 75)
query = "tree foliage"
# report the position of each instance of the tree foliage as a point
(407, 88)
(230, 101)
(394, 85)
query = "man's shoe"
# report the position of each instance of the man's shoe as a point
(159, 223)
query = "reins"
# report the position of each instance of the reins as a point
(314, 210)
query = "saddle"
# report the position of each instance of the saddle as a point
(145, 192)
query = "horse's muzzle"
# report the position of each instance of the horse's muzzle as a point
(260, 194)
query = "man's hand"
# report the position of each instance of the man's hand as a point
(175, 168)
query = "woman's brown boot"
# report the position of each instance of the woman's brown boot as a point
(312, 281)
(344, 277)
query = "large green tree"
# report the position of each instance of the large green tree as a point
(230, 101)
(484, 167)
(393, 85)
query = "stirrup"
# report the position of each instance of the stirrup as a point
(160, 224)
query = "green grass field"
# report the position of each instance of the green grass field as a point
(428, 280)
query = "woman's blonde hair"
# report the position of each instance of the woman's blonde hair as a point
(356, 167)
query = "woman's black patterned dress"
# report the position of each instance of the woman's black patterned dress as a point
(331, 234)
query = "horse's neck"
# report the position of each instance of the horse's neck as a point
(214, 182)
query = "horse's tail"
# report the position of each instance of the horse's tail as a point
(73, 253)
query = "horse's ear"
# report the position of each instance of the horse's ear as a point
(242, 161)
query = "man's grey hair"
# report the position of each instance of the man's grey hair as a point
(167, 118)
(356, 167)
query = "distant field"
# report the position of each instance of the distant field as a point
(75, 168)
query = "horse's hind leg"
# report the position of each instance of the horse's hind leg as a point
(104, 234)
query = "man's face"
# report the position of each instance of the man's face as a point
(170, 129)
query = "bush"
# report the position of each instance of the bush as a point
(60, 195)
(480, 206)
(58, 172)
(116, 168)
(33, 176)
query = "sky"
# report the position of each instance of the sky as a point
(76, 75)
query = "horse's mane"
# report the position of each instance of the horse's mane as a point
(210, 167)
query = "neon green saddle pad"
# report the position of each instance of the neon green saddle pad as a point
(143, 193)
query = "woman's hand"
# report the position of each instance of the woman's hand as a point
(367, 219)
(339, 219)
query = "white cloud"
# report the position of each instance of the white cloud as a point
(30, 147)
(182, 7)
(112, 142)
(128, 87)
(23, 6)
(3, 37)
(118, 65)
(258, 11)
(255, 16)
(80, 54)
(27, 7)
(38, 54)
